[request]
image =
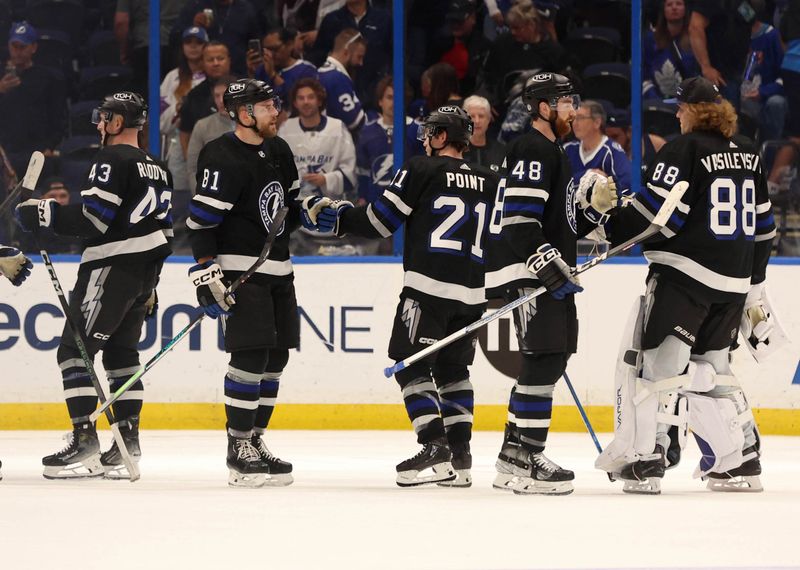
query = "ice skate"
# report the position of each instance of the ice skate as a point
(111, 460)
(537, 475)
(644, 476)
(1, 470)
(742, 479)
(245, 466)
(280, 472)
(462, 464)
(430, 465)
(80, 458)
(505, 480)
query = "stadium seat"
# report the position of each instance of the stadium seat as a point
(80, 118)
(611, 81)
(62, 15)
(54, 51)
(81, 147)
(659, 118)
(102, 49)
(588, 46)
(97, 82)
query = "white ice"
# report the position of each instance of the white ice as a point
(344, 511)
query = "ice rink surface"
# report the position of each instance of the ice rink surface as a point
(345, 511)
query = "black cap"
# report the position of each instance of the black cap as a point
(696, 90)
(459, 10)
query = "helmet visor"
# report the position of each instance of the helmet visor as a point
(99, 115)
(425, 131)
(566, 103)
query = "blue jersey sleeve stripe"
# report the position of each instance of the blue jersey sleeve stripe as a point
(386, 213)
(203, 215)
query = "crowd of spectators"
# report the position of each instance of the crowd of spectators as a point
(330, 61)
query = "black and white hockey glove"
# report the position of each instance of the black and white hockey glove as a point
(310, 210)
(328, 218)
(151, 306)
(33, 214)
(207, 278)
(14, 265)
(596, 195)
(548, 267)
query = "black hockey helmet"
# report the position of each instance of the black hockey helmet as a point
(247, 92)
(548, 87)
(452, 119)
(127, 104)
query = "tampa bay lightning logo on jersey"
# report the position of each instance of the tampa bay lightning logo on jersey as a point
(570, 206)
(269, 202)
(381, 170)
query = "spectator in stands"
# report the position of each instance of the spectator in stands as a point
(176, 85)
(374, 154)
(594, 151)
(439, 86)
(719, 31)
(277, 64)
(482, 149)
(335, 76)
(762, 89)
(667, 56)
(199, 102)
(302, 15)
(33, 101)
(463, 45)
(618, 129)
(132, 30)
(232, 22)
(525, 46)
(209, 128)
(324, 155)
(375, 27)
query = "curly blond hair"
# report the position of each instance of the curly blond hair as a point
(718, 117)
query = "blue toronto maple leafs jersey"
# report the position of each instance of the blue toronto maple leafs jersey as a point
(765, 72)
(342, 102)
(608, 157)
(662, 71)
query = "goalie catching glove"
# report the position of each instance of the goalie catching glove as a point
(596, 195)
(548, 267)
(211, 290)
(759, 326)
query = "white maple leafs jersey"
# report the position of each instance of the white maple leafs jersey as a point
(326, 149)
(445, 204)
(720, 235)
(126, 215)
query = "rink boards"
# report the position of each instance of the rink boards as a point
(335, 379)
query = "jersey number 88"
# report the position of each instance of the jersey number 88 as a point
(732, 208)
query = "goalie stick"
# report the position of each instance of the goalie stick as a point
(271, 235)
(28, 182)
(658, 223)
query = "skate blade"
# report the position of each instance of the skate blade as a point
(118, 472)
(649, 486)
(741, 484)
(505, 481)
(246, 480)
(463, 479)
(441, 472)
(279, 480)
(89, 468)
(528, 486)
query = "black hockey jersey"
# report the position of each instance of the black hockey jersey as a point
(535, 205)
(445, 204)
(126, 211)
(720, 235)
(240, 188)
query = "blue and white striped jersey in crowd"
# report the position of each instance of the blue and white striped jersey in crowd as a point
(126, 211)
(445, 204)
(719, 238)
(342, 102)
(240, 188)
(290, 74)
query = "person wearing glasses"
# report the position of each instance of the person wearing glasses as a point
(277, 63)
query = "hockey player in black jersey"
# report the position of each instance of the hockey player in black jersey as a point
(125, 220)
(706, 277)
(533, 242)
(445, 205)
(243, 179)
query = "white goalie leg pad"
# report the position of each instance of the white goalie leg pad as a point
(718, 429)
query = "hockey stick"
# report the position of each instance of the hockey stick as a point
(585, 419)
(659, 221)
(271, 235)
(80, 342)
(28, 181)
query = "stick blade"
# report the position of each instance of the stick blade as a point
(35, 165)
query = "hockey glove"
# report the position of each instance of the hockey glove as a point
(596, 195)
(310, 210)
(33, 214)
(328, 218)
(207, 277)
(548, 267)
(14, 265)
(151, 306)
